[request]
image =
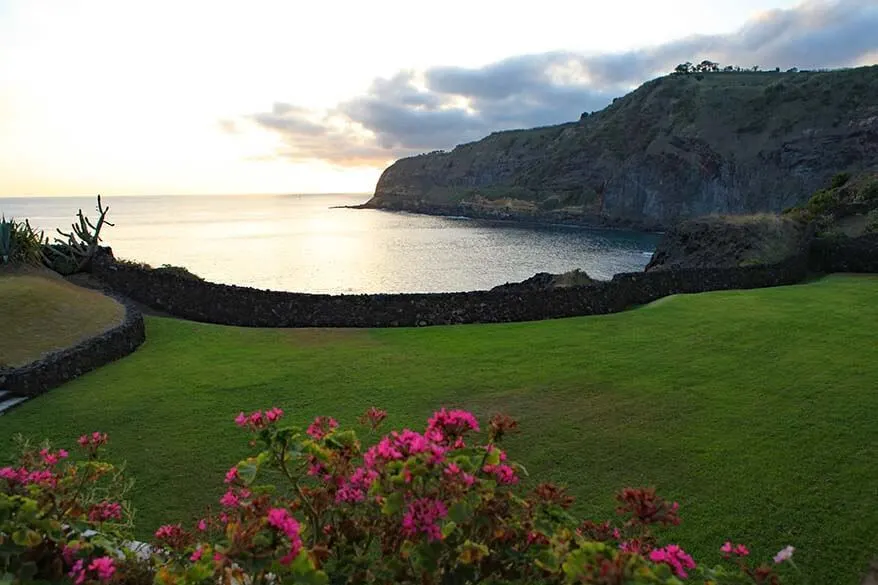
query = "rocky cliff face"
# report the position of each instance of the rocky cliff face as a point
(678, 147)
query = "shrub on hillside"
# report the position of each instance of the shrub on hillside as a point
(314, 505)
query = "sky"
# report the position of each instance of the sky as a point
(124, 97)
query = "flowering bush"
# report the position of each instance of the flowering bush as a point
(61, 517)
(314, 505)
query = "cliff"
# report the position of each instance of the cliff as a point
(680, 146)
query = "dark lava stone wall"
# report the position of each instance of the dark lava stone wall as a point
(233, 305)
(840, 254)
(59, 367)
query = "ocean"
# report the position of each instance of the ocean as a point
(300, 243)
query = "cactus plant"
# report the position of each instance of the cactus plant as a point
(75, 252)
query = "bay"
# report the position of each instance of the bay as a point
(301, 243)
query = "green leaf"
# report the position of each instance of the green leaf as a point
(302, 564)
(460, 512)
(393, 504)
(26, 537)
(342, 439)
(247, 470)
(493, 458)
(448, 528)
(312, 578)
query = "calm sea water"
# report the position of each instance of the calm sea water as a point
(298, 243)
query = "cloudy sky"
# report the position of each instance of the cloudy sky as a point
(184, 96)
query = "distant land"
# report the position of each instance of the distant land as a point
(680, 146)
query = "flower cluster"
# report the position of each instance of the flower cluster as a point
(257, 419)
(739, 550)
(60, 517)
(449, 426)
(675, 557)
(26, 477)
(422, 516)
(173, 536)
(100, 569)
(50, 458)
(93, 441)
(103, 511)
(280, 519)
(322, 426)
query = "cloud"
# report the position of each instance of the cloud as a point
(417, 111)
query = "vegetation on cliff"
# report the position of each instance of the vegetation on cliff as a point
(679, 146)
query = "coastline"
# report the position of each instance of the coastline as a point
(517, 217)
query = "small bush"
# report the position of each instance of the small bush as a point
(179, 271)
(20, 243)
(822, 202)
(868, 193)
(839, 180)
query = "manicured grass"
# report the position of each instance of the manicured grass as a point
(41, 314)
(757, 410)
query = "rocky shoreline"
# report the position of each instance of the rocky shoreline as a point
(523, 218)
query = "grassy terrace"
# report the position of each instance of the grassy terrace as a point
(39, 314)
(757, 410)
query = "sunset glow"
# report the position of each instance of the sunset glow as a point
(193, 97)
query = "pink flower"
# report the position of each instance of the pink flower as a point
(196, 556)
(50, 458)
(77, 572)
(355, 487)
(455, 472)
(784, 555)
(504, 474)
(231, 475)
(451, 424)
(67, 553)
(202, 525)
(256, 420)
(8, 473)
(321, 427)
(422, 516)
(168, 531)
(93, 441)
(738, 549)
(347, 493)
(280, 519)
(373, 417)
(675, 557)
(104, 568)
(230, 500)
(103, 511)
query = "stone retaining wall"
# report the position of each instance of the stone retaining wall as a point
(233, 305)
(845, 254)
(62, 366)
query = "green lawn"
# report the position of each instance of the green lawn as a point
(757, 410)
